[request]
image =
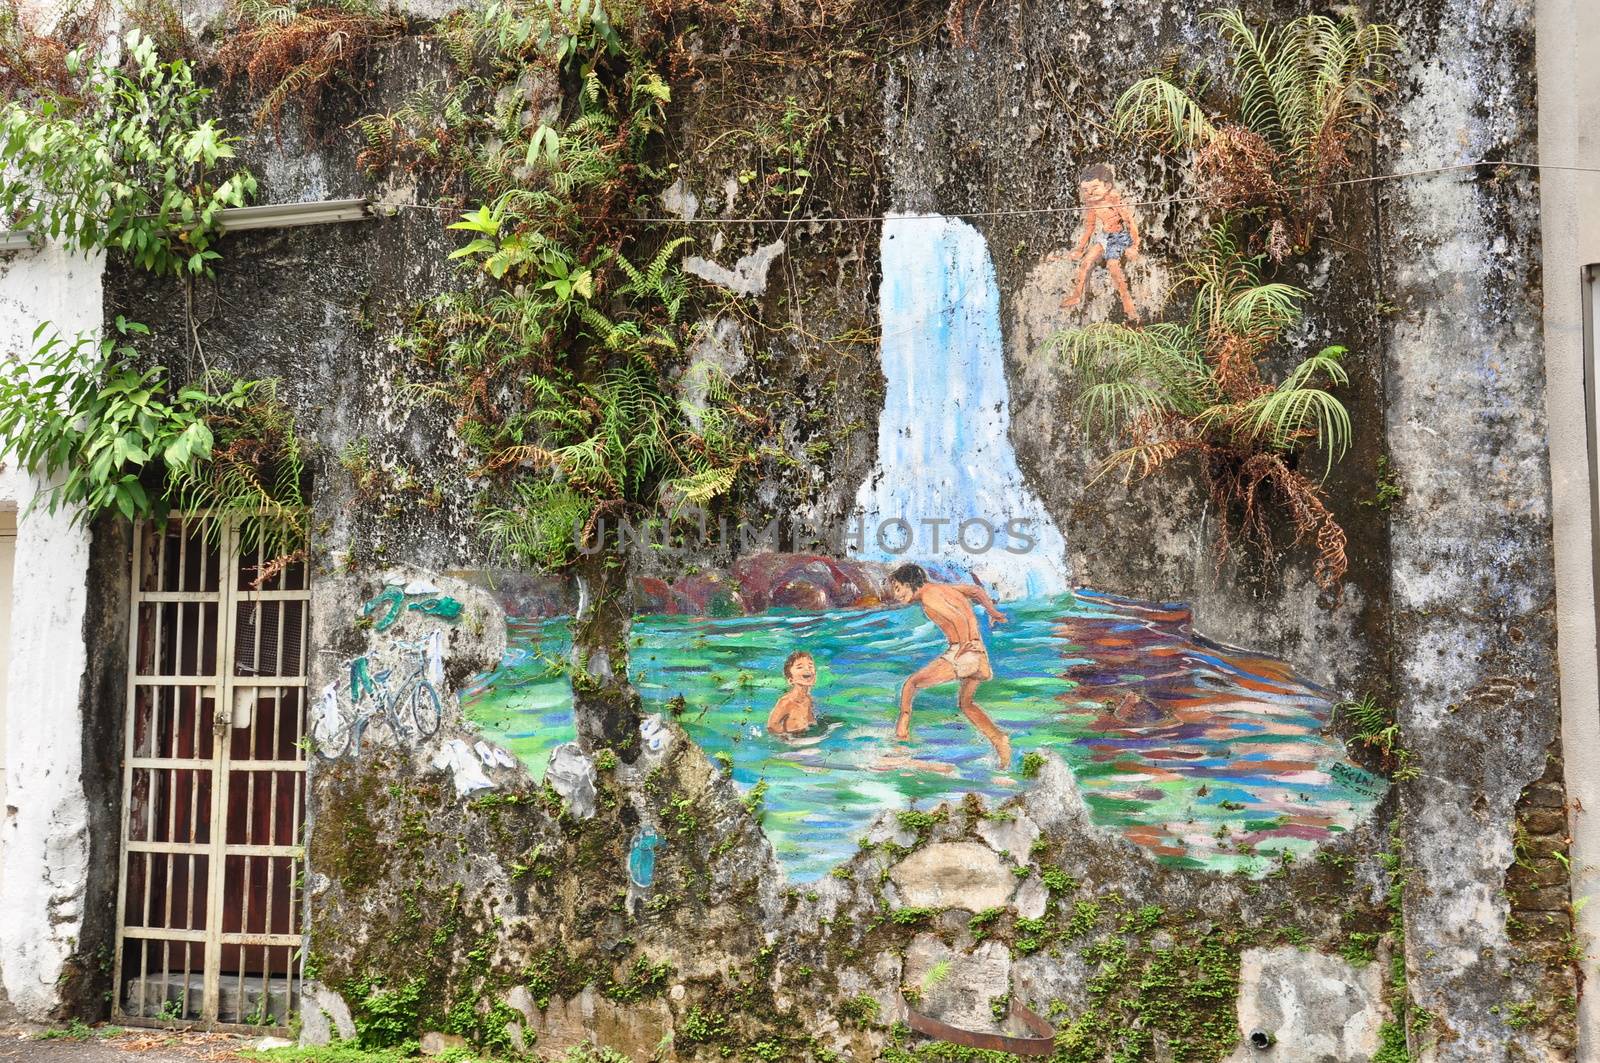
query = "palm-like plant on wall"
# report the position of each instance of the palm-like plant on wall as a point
(1267, 158)
(1195, 389)
(1304, 92)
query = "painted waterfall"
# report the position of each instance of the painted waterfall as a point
(946, 468)
(1203, 755)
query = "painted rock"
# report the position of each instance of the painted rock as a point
(1138, 710)
(571, 774)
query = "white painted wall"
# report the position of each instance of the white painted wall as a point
(1569, 135)
(44, 846)
(8, 551)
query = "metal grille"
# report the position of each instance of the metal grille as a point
(213, 789)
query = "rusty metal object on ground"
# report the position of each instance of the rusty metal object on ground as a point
(1041, 1045)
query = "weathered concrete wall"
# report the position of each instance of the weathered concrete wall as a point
(1569, 216)
(1473, 625)
(517, 901)
(45, 839)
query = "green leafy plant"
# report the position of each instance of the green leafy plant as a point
(119, 156)
(254, 471)
(588, 1053)
(341, 1052)
(1303, 92)
(861, 1009)
(786, 146)
(1375, 727)
(1387, 489)
(567, 362)
(122, 158)
(74, 1030)
(121, 438)
(607, 447)
(1197, 389)
(566, 354)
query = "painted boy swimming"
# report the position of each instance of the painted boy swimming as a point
(1110, 234)
(795, 712)
(949, 606)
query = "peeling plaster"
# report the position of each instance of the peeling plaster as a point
(748, 277)
(44, 843)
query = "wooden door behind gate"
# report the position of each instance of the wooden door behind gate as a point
(209, 927)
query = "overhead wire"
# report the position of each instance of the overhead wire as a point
(874, 219)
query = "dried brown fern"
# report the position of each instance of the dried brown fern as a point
(33, 57)
(290, 55)
(1236, 485)
(956, 19)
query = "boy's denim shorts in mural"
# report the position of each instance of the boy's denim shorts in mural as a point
(1115, 244)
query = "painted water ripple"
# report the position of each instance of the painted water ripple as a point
(1205, 755)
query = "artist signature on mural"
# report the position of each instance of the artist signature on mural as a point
(1363, 782)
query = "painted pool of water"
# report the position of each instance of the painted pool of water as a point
(1207, 756)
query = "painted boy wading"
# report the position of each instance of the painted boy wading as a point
(949, 606)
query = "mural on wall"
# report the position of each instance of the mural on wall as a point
(950, 646)
(1108, 238)
(399, 685)
(408, 704)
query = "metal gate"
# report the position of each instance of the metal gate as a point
(209, 928)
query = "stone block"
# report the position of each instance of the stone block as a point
(1032, 898)
(518, 999)
(953, 875)
(1315, 1008)
(435, 1043)
(1545, 821)
(324, 1016)
(635, 1030)
(955, 986)
(1544, 872)
(1015, 835)
(1540, 898)
(1545, 795)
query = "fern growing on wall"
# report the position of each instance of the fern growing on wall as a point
(287, 52)
(255, 470)
(1304, 93)
(564, 360)
(1196, 390)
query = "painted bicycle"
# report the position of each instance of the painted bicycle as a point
(338, 732)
